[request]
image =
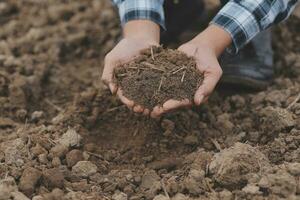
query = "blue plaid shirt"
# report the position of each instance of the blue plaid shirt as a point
(242, 19)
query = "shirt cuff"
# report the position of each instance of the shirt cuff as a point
(141, 9)
(240, 22)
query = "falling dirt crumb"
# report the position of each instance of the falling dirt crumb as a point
(158, 75)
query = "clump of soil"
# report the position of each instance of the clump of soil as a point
(158, 75)
(231, 166)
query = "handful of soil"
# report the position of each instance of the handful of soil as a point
(158, 75)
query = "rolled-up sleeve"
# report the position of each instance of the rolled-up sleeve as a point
(141, 9)
(244, 19)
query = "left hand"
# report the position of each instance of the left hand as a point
(207, 63)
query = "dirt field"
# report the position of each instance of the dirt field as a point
(63, 136)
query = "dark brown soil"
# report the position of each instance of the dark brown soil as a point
(158, 75)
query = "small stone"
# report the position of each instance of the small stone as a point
(84, 169)
(119, 196)
(80, 186)
(191, 140)
(7, 186)
(53, 178)
(180, 196)
(21, 114)
(56, 162)
(160, 197)
(16, 195)
(86, 156)
(150, 183)
(73, 157)
(38, 149)
(28, 181)
(14, 152)
(294, 168)
(42, 158)
(129, 177)
(226, 195)
(37, 115)
(59, 150)
(6, 122)
(251, 189)
(70, 139)
(38, 197)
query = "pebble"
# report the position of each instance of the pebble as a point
(226, 195)
(38, 149)
(70, 139)
(42, 158)
(160, 197)
(84, 169)
(7, 186)
(53, 178)
(119, 196)
(56, 162)
(28, 181)
(180, 196)
(73, 157)
(16, 195)
(251, 189)
(294, 168)
(37, 115)
(59, 150)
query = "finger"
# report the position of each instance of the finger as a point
(138, 109)
(174, 104)
(199, 96)
(209, 83)
(124, 100)
(157, 112)
(108, 74)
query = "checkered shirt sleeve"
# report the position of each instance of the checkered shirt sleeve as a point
(141, 9)
(244, 19)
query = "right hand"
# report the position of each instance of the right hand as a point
(134, 41)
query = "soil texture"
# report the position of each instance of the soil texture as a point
(158, 75)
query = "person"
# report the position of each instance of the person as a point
(235, 25)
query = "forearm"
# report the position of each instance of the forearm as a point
(142, 29)
(214, 38)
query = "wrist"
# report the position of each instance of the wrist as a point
(145, 30)
(213, 38)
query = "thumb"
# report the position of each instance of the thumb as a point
(108, 75)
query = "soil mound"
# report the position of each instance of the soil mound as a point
(158, 75)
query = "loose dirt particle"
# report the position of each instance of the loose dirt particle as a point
(28, 181)
(73, 157)
(84, 169)
(151, 80)
(53, 178)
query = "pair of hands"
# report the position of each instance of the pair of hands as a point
(205, 55)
